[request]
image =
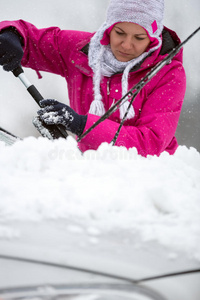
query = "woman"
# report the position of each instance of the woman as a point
(100, 68)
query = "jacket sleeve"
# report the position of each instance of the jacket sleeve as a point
(46, 49)
(155, 128)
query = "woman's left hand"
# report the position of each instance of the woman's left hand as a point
(54, 112)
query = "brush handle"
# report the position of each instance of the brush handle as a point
(56, 131)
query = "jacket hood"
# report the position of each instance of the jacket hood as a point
(170, 40)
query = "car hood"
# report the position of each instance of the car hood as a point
(65, 245)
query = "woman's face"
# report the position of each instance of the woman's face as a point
(128, 41)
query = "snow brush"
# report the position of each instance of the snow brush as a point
(49, 131)
(133, 92)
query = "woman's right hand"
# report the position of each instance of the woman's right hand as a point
(11, 51)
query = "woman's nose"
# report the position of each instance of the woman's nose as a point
(127, 43)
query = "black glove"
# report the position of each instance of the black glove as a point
(11, 51)
(54, 112)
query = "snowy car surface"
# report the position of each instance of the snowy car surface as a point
(108, 224)
(56, 260)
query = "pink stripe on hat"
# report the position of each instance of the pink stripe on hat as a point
(154, 26)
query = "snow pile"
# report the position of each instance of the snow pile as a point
(108, 189)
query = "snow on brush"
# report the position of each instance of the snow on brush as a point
(111, 188)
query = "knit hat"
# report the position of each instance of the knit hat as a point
(146, 13)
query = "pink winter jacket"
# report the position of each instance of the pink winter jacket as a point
(157, 106)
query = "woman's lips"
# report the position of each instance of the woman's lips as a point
(123, 54)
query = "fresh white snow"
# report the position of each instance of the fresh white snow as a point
(109, 189)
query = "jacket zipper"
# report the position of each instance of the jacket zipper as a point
(108, 87)
(108, 93)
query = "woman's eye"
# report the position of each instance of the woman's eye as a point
(119, 33)
(139, 38)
